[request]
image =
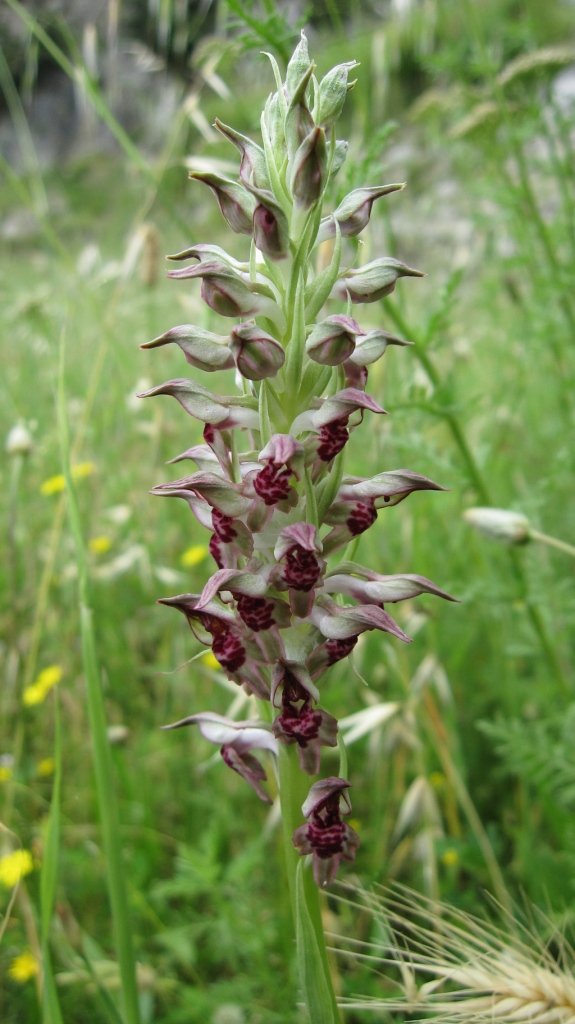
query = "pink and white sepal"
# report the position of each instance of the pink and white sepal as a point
(236, 740)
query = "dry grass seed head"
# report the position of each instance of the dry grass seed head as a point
(477, 971)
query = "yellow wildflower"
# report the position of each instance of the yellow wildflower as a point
(82, 469)
(48, 678)
(14, 866)
(194, 555)
(53, 485)
(99, 545)
(46, 767)
(33, 695)
(450, 858)
(5, 773)
(23, 967)
(437, 780)
(210, 661)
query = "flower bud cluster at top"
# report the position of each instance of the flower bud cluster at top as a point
(269, 483)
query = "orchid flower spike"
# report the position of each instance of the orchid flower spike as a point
(269, 482)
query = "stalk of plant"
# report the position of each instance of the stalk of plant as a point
(270, 483)
(107, 803)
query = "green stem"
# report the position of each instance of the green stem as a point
(553, 542)
(294, 786)
(538, 623)
(313, 964)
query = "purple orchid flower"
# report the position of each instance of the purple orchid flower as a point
(299, 722)
(217, 627)
(299, 547)
(331, 419)
(358, 500)
(326, 836)
(236, 740)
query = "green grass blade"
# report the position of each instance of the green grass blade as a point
(50, 1004)
(105, 788)
(105, 1001)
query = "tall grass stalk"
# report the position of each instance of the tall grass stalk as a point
(51, 1013)
(105, 783)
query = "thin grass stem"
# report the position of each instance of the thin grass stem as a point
(51, 1013)
(552, 542)
(105, 785)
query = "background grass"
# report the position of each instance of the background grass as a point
(478, 759)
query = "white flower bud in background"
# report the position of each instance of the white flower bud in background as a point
(499, 524)
(229, 1013)
(19, 441)
(117, 734)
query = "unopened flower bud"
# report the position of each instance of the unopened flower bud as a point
(333, 340)
(253, 168)
(298, 65)
(339, 156)
(256, 354)
(333, 90)
(298, 122)
(354, 211)
(224, 291)
(270, 225)
(273, 124)
(19, 441)
(117, 735)
(371, 346)
(202, 349)
(236, 204)
(499, 524)
(373, 281)
(206, 253)
(308, 169)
